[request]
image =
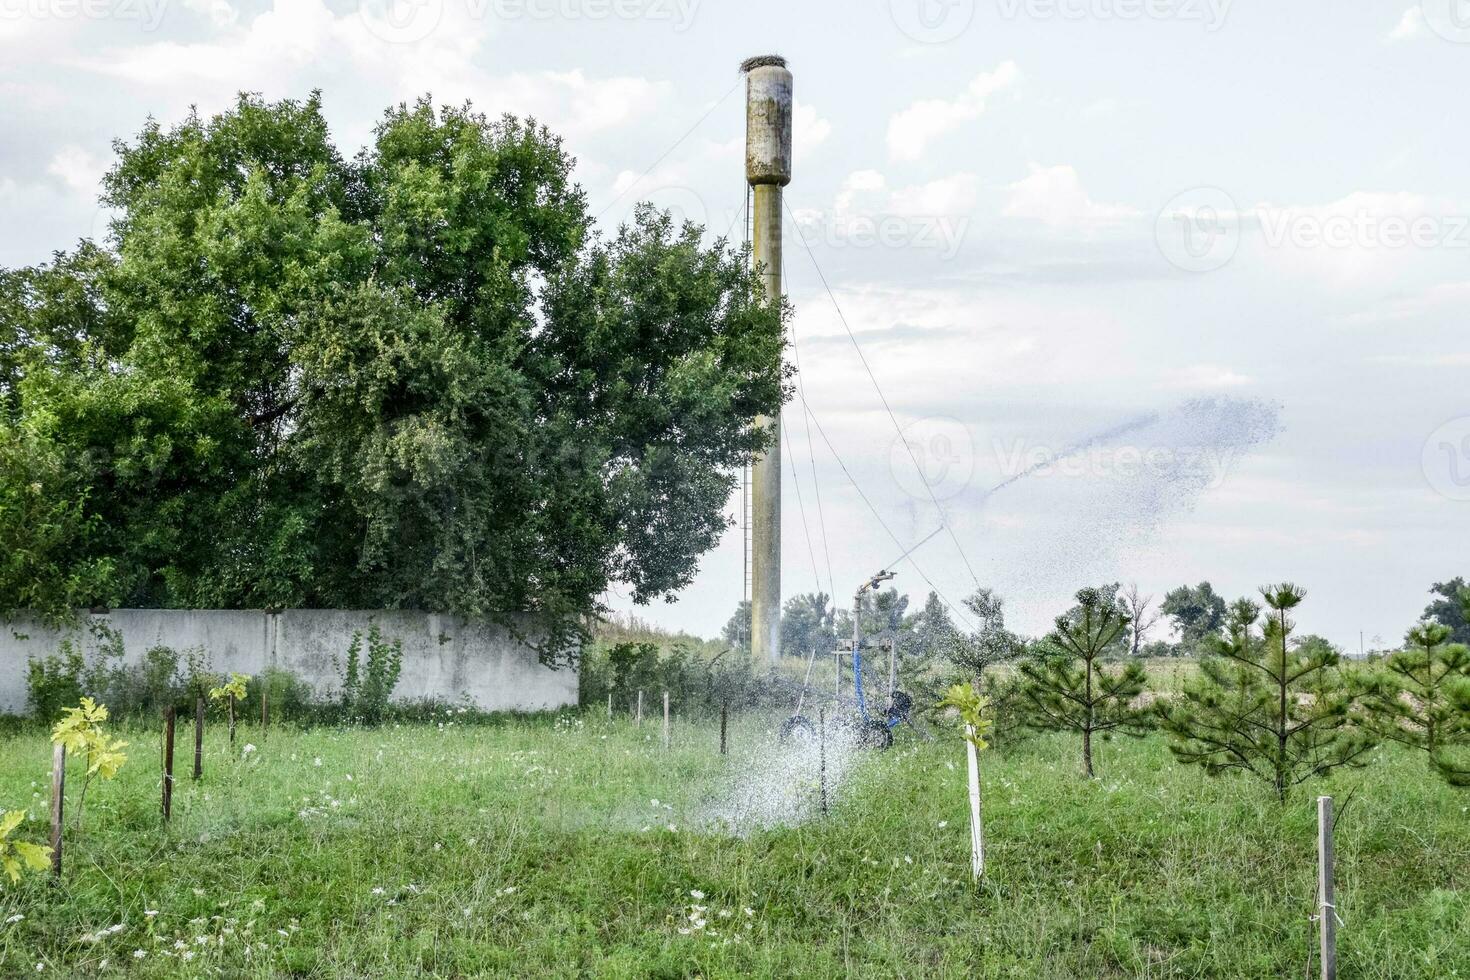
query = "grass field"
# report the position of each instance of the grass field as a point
(535, 848)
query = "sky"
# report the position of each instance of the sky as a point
(1217, 249)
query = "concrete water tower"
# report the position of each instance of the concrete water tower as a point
(768, 169)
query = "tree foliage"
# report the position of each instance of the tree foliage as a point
(1071, 689)
(1451, 607)
(1411, 700)
(413, 379)
(1261, 705)
(1198, 613)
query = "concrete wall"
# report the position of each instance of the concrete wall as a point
(443, 656)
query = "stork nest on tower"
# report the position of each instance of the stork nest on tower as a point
(762, 61)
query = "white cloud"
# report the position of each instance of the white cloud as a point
(955, 194)
(1410, 26)
(808, 129)
(1056, 197)
(79, 170)
(911, 130)
(1211, 376)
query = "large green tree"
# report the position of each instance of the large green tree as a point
(1451, 606)
(1198, 612)
(416, 378)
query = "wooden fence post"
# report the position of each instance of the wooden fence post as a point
(1326, 900)
(638, 718)
(609, 706)
(232, 723)
(666, 720)
(198, 736)
(168, 762)
(822, 758)
(58, 802)
(724, 721)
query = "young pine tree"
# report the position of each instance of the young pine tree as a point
(1410, 701)
(1067, 686)
(1259, 706)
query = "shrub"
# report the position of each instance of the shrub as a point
(55, 682)
(367, 688)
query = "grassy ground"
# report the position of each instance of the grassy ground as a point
(535, 849)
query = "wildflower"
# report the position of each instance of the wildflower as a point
(138, 954)
(249, 748)
(150, 913)
(943, 824)
(377, 891)
(317, 762)
(17, 917)
(748, 911)
(696, 893)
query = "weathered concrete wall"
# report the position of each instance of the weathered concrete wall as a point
(444, 657)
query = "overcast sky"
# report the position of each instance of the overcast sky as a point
(1222, 246)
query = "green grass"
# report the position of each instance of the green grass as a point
(520, 849)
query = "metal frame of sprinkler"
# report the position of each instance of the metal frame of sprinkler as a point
(866, 729)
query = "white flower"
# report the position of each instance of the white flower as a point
(40, 967)
(17, 917)
(748, 911)
(696, 893)
(317, 762)
(150, 912)
(377, 891)
(943, 824)
(138, 954)
(249, 748)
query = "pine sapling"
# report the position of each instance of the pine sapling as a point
(1069, 687)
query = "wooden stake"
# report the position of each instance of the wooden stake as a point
(822, 749)
(977, 829)
(198, 736)
(638, 719)
(168, 762)
(232, 723)
(724, 721)
(58, 803)
(666, 720)
(1326, 902)
(609, 706)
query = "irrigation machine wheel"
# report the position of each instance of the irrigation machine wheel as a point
(875, 735)
(797, 726)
